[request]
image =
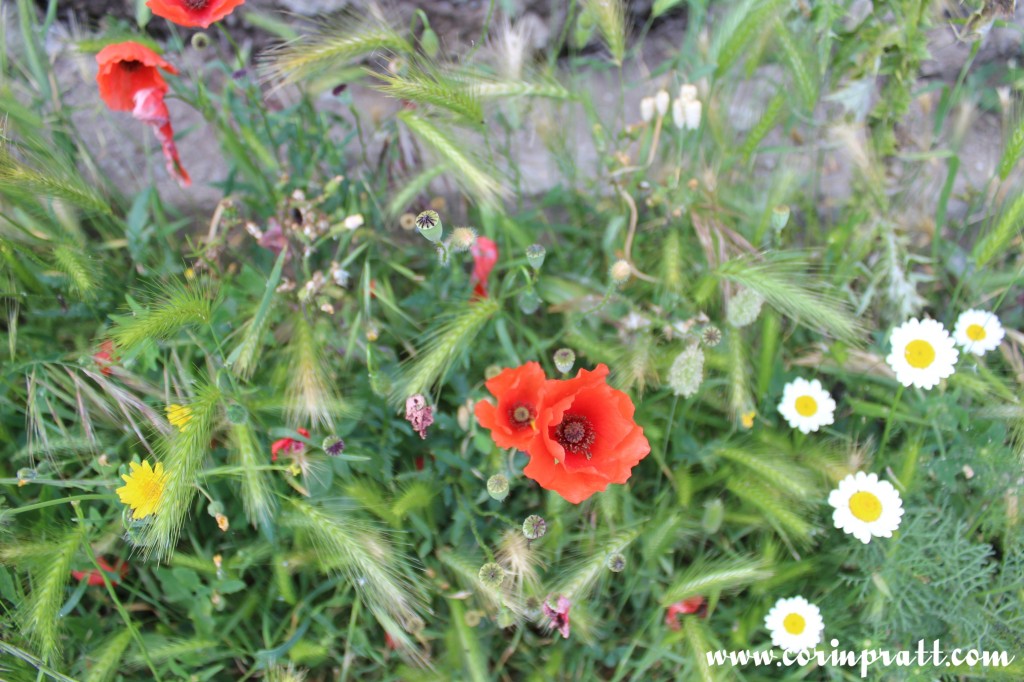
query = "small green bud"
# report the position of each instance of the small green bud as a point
(236, 414)
(714, 514)
(564, 358)
(429, 225)
(200, 41)
(528, 301)
(429, 42)
(497, 487)
(535, 254)
(780, 217)
(462, 239)
(616, 562)
(491, 575)
(506, 618)
(534, 527)
(215, 509)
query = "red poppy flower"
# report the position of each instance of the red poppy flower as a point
(151, 109)
(105, 357)
(124, 69)
(694, 605)
(587, 437)
(94, 577)
(485, 255)
(287, 445)
(512, 421)
(193, 13)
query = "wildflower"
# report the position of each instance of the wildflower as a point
(587, 438)
(288, 445)
(462, 239)
(193, 13)
(407, 221)
(513, 421)
(620, 272)
(485, 255)
(647, 107)
(104, 358)
(340, 275)
(419, 414)
(691, 114)
(143, 488)
(94, 577)
(558, 615)
(179, 416)
(497, 487)
(333, 446)
(866, 507)
(679, 113)
(616, 563)
(922, 353)
(795, 624)
(744, 308)
(661, 101)
(534, 527)
(978, 331)
(535, 254)
(564, 359)
(125, 69)
(429, 225)
(693, 606)
(491, 575)
(151, 109)
(353, 221)
(25, 476)
(687, 93)
(747, 419)
(687, 371)
(222, 522)
(806, 405)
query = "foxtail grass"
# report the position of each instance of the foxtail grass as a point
(310, 396)
(178, 307)
(610, 17)
(723, 574)
(258, 498)
(245, 356)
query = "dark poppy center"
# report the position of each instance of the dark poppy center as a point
(130, 65)
(576, 435)
(196, 5)
(521, 415)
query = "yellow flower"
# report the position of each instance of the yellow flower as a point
(143, 488)
(179, 415)
(747, 419)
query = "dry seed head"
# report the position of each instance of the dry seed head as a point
(616, 562)
(620, 272)
(429, 225)
(711, 336)
(492, 575)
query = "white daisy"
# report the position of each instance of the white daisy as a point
(806, 405)
(978, 331)
(795, 624)
(922, 354)
(866, 507)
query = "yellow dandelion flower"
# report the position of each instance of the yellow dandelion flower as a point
(143, 488)
(179, 415)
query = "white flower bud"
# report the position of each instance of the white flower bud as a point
(661, 101)
(678, 113)
(687, 92)
(647, 109)
(692, 112)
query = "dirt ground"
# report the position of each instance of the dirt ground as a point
(458, 23)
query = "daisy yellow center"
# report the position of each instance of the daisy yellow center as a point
(919, 354)
(976, 332)
(806, 406)
(794, 624)
(865, 506)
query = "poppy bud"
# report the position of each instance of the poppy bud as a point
(616, 562)
(780, 217)
(497, 487)
(462, 239)
(535, 255)
(429, 225)
(429, 42)
(528, 301)
(534, 527)
(491, 575)
(564, 358)
(714, 514)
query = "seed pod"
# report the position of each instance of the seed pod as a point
(491, 575)
(497, 487)
(616, 562)
(564, 358)
(534, 527)
(535, 254)
(429, 225)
